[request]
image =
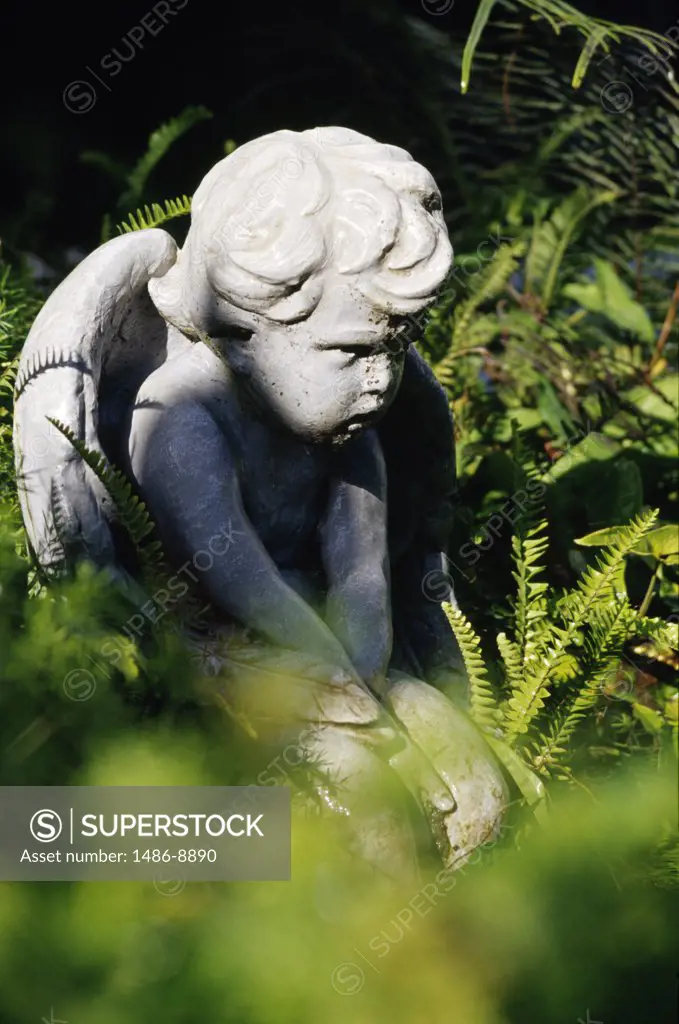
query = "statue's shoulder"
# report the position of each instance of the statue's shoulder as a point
(192, 372)
(192, 392)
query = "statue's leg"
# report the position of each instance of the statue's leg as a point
(339, 729)
(367, 794)
(369, 752)
(447, 757)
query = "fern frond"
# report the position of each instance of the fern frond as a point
(529, 547)
(604, 646)
(484, 709)
(601, 582)
(485, 285)
(596, 585)
(8, 376)
(470, 330)
(597, 33)
(132, 513)
(511, 657)
(154, 215)
(159, 143)
(552, 237)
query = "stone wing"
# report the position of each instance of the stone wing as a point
(96, 338)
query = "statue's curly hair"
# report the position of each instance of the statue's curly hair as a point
(269, 218)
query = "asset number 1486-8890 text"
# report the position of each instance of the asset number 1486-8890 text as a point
(181, 856)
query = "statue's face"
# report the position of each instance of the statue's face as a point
(325, 377)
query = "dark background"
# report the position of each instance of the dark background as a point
(257, 66)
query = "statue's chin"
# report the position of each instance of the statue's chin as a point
(351, 426)
(335, 434)
(333, 427)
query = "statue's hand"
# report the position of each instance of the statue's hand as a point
(373, 676)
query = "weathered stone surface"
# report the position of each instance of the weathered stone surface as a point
(259, 385)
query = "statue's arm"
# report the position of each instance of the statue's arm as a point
(356, 558)
(187, 475)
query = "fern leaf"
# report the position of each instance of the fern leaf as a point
(483, 287)
(159, 143)
(511, 657)
(596, 585)
(559, 14)
(611, 629)
(153, 216)
(483, 13)
(484, 709)
(131, 511)
(529, 546)
(552, 237)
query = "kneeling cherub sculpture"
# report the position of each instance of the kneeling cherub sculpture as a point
(261, 381)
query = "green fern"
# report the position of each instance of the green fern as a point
(486, 285)
(597, 585)
(155, 215)
(134, 182)
(595, 618)
(484, 707)
(19, 305)
(596, 32)
(470, 331)
(132, 513)
(552, 237)
(159, 143)
(611, 627)
(529, 546)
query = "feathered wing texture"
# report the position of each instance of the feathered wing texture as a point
(417, 438)
(94, 341)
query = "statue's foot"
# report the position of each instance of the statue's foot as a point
(460, 785)
(366, 796)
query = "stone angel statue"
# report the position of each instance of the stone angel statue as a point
(261, 379)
